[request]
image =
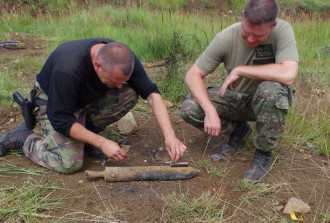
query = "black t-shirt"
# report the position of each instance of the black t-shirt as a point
(70, 81)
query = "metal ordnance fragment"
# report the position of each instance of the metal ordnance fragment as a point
(143, 173)
(12, 45)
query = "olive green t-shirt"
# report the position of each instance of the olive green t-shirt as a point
(228, 47)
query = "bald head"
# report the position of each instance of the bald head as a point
(116, 55)
(258, 12)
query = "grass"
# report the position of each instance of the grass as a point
(209, 167)
(309, 132)
(204, 208)
(26, 203)
(12, 169)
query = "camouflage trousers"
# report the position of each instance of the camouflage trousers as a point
(267, 106)
(63, 154)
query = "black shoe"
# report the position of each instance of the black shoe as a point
(94, 152)
(14, 139)
(242, 129)
(259, 167)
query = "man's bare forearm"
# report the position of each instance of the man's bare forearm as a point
(80, 133)
(284, 73)
(160, 111)
(197, 88)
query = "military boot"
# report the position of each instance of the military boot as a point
(90, 150)
(242, 130)
(94, 152)
(14, 139)
(259, 167)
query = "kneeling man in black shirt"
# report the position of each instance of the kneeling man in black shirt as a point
(84, 86)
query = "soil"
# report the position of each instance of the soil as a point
(296, 172)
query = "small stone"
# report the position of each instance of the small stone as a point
(307, 157)
(296, 205)
(168, 104)
(310, 145)
(161, 148)
(301, 150)
(127, 124)
(145, 161)
(279, 208)
(325, 162)
(218, 157)
(80, 181)
(11, 120)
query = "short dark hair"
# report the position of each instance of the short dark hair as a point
(258, 12)
(116, 54)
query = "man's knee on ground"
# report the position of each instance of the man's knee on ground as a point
(71, 167)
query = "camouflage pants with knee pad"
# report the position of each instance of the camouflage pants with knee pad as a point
(267, 106)
(63, 154)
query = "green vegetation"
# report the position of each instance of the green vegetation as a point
(308, 131)
(12, 169)
(209, 167)
(307, 5)
(25, 204)
(205, 208)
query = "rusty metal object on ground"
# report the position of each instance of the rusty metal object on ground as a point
(158, 63)
(139, 173)
(12, 45)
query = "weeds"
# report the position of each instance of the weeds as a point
(173, 84)
(325, 217)
(209, 167)
(25, 204)
(309, 132)
(111, 133)
(12, 169)
(205, 208)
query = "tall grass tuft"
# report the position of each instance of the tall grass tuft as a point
(308, 131)
(173, 84)
(26, 203)
(182, 209)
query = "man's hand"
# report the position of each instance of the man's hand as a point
(212, 123)
(174, 147)
(112, 150)
(232, 80)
